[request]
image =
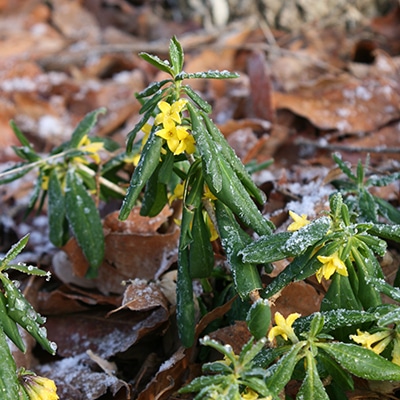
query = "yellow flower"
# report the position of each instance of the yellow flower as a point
(188, 144)
(284, 327)
(207, 194)
(170, 114)
(250, 394)
(45, 182)
(331, 264)
(299, 221)
(38, 387)
(178, 192)
(92, 148)
(213, 232)
(396, 350)
(376, 342)
(178, 139)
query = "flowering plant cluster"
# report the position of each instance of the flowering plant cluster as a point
(182, 159)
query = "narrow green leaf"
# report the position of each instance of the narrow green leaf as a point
(368, 208)
(58, 224)
(84, 127)
(201, 254)
(21, 168)
(152, 89)
(157, 62)
(362, 362)
(207, 75)
(200, 102)
(176, 55)
(9, 326)
(185, 312)
(245, 275)
(267, 249)
(392, 317)
(202, 382)
(85, 222)
(385, 180)
(391, 232)
(9, 385)
(344, 166)
(13, 252)
(234, 161)
(338, 374)
(387, 210)
(148, 163)
(155, 196)
(280, 373)
(312, 387)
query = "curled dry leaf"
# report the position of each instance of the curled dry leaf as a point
(134, 248)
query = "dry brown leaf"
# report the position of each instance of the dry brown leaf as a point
(347, 105)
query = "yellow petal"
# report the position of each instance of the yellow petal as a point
(299, 221)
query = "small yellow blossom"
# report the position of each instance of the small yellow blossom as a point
(299, 221)
(45, 182)
(178, 139)
(38, 387)
(170, 114)
(92, 148)
(213, 232)
(396, 350)
(250, 394)
(284, 327)
(331, 264)
(178, 192)
(376, 342)
(207, 194)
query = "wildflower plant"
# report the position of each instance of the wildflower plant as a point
(16, 312)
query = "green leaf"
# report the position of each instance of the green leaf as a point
(176, 55)
(392, 317)
(362, 362)
(237, 166)
(338, 374)
(84, 220)
(245, 275)
(368, 208)
(387, 210)
(391, 232)
(157, 62)
(148, 163)
(198, 100)
(9, 326)
(267, 249)
(84, 127)
(21, 168)
(258, 318)
(344, 166)
(22, 312)
(9, 385)
(340, 295)
(385, 180)
(152, 88)
(185, 312)
(13, 252)
(203, 382)
(280, 373)
(312, 387)
(155, 195)
(383, 287)
(207, 149)
(58, 224)
(207, 75)
(336, 318)
(201, 254)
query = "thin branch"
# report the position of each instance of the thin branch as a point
(347, 148)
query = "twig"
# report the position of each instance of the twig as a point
(350, 149)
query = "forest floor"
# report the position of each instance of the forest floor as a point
(328, 85)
